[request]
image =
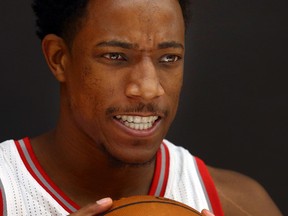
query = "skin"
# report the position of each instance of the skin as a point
(123, 61)
(242, 196)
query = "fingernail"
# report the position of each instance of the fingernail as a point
(103, 201)
(208, 213)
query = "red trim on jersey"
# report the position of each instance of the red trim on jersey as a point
(156, 175)
(157, 171)
(44, 175)
(1, 203)
(167, 166)
(210, 188)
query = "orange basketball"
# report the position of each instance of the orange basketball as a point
(150, 206)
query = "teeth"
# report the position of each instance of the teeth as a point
(137, 122)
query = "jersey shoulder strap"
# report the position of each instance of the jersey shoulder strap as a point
(210, 187)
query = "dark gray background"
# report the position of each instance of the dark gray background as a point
(233, 111)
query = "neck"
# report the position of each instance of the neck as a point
(75, 163)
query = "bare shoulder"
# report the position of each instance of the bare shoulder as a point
(242, 195)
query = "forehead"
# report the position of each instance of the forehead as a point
(134, 20)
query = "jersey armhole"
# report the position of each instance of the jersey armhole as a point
(210, 188)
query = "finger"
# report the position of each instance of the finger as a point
(96, 208)
(205, 212)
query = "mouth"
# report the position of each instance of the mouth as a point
(137, 122)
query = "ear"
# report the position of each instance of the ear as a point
(56, 54)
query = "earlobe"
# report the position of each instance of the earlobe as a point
(56, 54)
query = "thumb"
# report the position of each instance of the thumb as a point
(205, 212)
(96, 208)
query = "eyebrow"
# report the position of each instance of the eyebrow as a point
(126, 45)
(116, 43)
(170, 44)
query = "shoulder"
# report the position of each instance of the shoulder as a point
(241, 195)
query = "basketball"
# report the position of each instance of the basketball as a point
(150, 206)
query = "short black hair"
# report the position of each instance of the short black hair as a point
(63, 17)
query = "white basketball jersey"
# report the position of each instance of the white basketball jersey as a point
(25, 188)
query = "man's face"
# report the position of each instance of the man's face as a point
(124, 75)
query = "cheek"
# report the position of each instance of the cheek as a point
(175, 90)
(173, 85)
(93, 98)
(84, 92)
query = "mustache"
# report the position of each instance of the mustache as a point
(140, 107)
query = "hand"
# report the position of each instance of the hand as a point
(94, 209)
(206, 213)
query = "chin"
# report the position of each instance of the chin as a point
(134, 157)
(136, 162)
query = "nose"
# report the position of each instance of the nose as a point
(144, 81)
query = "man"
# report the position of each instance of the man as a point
(120, 65)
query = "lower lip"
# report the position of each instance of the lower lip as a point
(138, 133)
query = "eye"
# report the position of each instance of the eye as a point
(169, 58)
(114, 56)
